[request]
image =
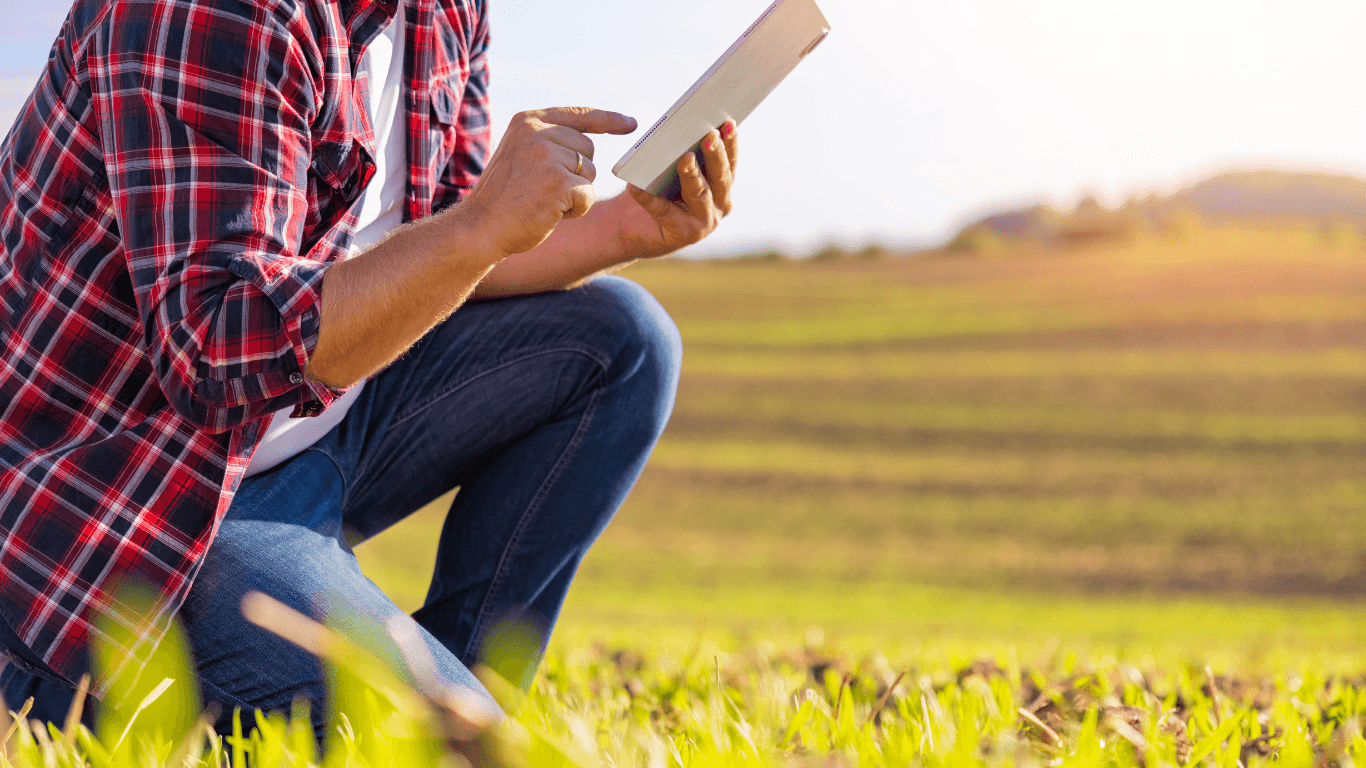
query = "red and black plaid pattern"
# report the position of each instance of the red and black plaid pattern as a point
(170, 198)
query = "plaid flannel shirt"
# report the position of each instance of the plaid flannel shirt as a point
(171, 196)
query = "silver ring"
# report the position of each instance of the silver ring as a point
(578, 168)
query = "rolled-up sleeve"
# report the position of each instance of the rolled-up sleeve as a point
(474, 136)
(205, 114)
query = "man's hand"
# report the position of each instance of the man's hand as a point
(541, 173)
(656, 227)
(377, 305)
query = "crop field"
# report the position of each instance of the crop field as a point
(1159, 418)
(1095, 506)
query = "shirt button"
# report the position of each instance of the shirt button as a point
(296, 378)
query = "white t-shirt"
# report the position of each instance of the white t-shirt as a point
(381, 211)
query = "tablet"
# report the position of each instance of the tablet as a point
(745, 74)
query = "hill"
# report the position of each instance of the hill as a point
(1259, 195)
(1325, 202)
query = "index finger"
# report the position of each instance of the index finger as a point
(587, 119)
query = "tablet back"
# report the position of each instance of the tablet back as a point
(743, 76)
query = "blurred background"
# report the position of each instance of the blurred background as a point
(1035, 320)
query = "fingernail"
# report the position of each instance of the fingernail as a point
(727, 128)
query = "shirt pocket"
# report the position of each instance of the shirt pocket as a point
(339, 171)
(343, 165)
(445, 102)
(445, 95)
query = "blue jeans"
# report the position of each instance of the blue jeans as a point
(542, 409)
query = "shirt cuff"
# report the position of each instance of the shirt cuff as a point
(294, 286)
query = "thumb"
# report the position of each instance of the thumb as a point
(657, 207)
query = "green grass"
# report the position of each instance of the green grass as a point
(687, 699)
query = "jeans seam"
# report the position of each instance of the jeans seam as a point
(430, 401)
(532, 509)
(345, 480)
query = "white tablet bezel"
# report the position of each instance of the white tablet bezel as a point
(743, 77)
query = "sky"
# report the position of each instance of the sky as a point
(915, 117)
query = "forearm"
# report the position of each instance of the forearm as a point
(378, 304)
(576, 250)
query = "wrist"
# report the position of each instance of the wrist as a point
(616, 218)
(467, 237)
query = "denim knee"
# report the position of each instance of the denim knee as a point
(648, 352)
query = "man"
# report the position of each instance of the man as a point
(222, 347)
